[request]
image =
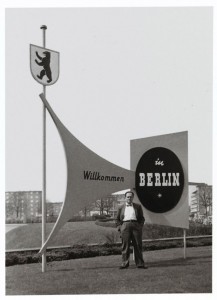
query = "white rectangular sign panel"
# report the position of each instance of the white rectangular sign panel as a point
(161, 178)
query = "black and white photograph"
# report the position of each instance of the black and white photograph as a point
(108, 149)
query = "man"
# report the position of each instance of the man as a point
(130, 222)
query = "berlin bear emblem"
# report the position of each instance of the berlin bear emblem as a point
(44, 64)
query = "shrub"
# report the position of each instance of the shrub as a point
(99, 217)
(82, 251)
(158, 231)
(14, 221)
(81, 219)
(153, 231)
(106, 223)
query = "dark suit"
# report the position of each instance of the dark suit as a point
(131, 231)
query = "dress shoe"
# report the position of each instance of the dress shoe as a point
(142, 267)
(124, 266)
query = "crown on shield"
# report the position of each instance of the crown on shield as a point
(44, 65)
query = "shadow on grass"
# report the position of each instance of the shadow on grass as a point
(168, 263)
(164, 264)
(61, 270)
(160, 264)
(102, 267)
(171, 263)
(178, 262)
(198, 257)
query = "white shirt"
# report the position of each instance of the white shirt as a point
(129, 213)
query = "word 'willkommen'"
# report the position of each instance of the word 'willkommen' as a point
(88, 175)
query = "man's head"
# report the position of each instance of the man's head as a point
(129, 197)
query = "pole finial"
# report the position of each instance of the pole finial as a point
(43, 27)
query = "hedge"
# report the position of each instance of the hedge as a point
(152, 231)
(83, 251)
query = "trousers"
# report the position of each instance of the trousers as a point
(132, 231)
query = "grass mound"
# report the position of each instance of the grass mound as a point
(72, 233)
(77, 233)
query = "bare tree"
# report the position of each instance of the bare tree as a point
(109, 203)
(105, 205)
(205, 197)
(16, 204)
(100, 205)
(86, 210)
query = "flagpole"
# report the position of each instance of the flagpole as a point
(44, 212)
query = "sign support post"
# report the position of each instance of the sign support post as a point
(44, 212)
(44, 67)
(184, 240)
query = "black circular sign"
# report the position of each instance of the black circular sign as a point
(159, 180)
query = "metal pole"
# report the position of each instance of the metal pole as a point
(184, 240)
(44, 212)
(133, 254)
(113, 209)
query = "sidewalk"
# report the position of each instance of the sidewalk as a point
(167, 272)
(9, 227)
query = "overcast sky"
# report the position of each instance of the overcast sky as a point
(125, 73)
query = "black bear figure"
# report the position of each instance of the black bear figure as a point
(45, 63)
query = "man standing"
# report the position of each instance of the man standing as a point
(130, 222)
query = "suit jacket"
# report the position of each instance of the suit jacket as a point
(138, 211)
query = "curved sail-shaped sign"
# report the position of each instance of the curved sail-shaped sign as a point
(89, 176)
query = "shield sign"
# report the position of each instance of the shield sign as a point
(44, 65)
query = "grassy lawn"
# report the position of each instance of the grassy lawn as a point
(71, 233)
(167, 272)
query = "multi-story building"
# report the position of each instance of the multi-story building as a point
(53, 210)
(23, 206)
(201, 201)
(26, 207)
